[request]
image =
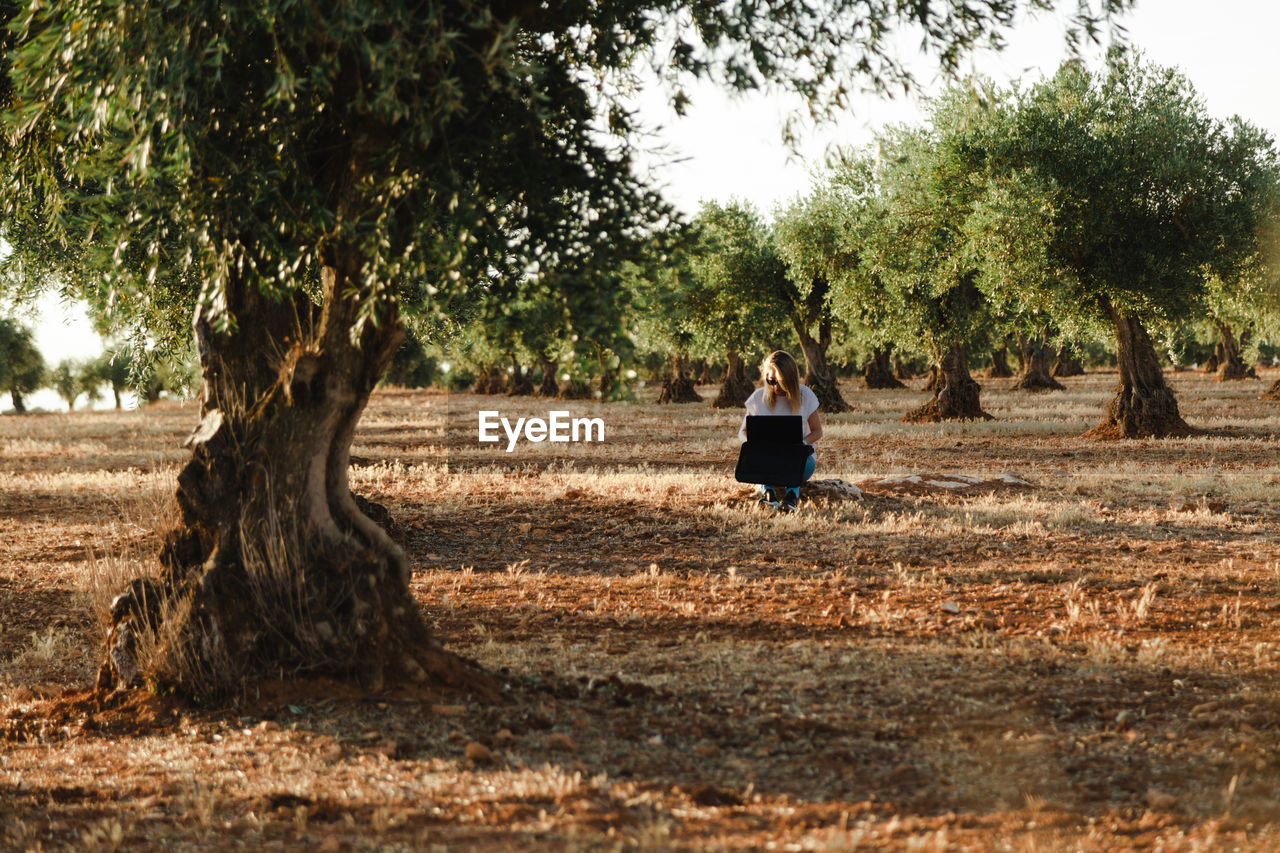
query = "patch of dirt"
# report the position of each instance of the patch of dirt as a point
(1082, 660)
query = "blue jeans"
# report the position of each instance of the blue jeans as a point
(809, 465)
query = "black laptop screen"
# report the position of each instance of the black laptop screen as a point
(778, 429)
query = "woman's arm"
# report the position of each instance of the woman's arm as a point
(815, 428)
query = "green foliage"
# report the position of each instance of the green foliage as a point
(1117, 191)
(22, 368)
(111, 369)
(413, 366)
(72, 378)
(731, 301)
(424, 149)
(919, 266)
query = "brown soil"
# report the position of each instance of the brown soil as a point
(1077, 663)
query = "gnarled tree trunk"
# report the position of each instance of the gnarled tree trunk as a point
(879, 370)
(275, 567)
(1035, 362)
(1144, 406)
(1000, 364)
(548, 387)
(678, 387)
(737, 385)
(1233, 366)
(957, 398)
(1069, 363)
(818, 374)
(934, 383)
(19, 405)
(902, 371)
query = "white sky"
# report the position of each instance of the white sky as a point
(732, 147)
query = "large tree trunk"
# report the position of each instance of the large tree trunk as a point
(958, 398)
(1144, 406)
(1069, 363)
(737, 385)
(548, 387)
(1035, 361)
(678, 387)
(818, 374)
(275, 568)
(1000, 364)
(1232, 366)
(19, 405)
(879, 370)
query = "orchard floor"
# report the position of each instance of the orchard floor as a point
(1088, 663)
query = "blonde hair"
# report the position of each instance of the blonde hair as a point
(788, 372)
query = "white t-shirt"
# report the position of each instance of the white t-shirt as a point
(756, 405)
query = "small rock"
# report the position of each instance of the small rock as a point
(1158, 799)
(525, 527)
(561, 742)
(950, 607)
(1124, 719)
(478, 753)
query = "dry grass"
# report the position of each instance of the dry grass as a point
(1088, 664)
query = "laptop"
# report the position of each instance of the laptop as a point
(775, 429)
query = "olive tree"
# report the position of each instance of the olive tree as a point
(1119, 198)
(918, 249)
(809, 238)
(729, 300)
(22, 368)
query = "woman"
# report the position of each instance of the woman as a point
(783, 394)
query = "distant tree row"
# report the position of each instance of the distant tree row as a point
(23, 371)
(1039, 221)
